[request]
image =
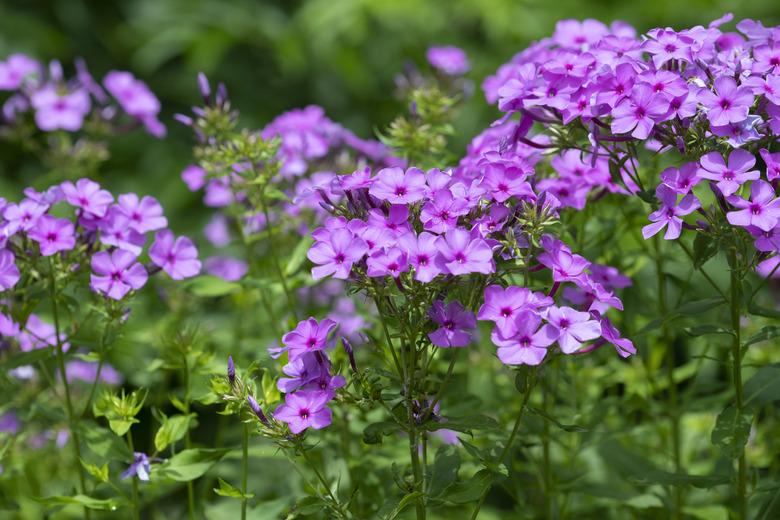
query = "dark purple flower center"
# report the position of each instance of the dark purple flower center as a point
(423, 260)
(670, 47)
(524, 342)
(640, 112)
(311, 342)
(339, 259)
(116, 276)
(303, 413)
(60, 105)
(506, 312)
(460, 258)
(51, 237)
(774, 61)
(400, 191)
(659, 87)
(449, 325)
(728, 175)
(564, 324)
(755, 209)
(393, 266)
(725, 104)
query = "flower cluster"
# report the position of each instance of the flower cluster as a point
(710, 95)
(59, 103)
(81, 227)
(309, 384)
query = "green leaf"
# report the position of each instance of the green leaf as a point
(100, 474)
(207, 286)
(463, 424)
(189, 464)
(706, 329)
(758, 310)
(310, 505)
(470, 490)
(646, 501)
(103, 504)
(403, 504)
(373, 433)
(732, 430)
(565, 427)
(768, 332)
(704, 248)
(699, 306)
(227, 490)
(764, 387)
(27, 358)
(298, 256)
(122, 425)
(444, 470)
(173, 429)
(703, 512)
(102, 442)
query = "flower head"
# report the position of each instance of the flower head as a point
(116, 273)
(308, 336)
(53, 235)
(178, 257)
(456, 324)
(305, 409)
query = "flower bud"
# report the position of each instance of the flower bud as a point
(255, 406)
(231, 371)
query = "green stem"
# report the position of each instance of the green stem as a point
(244, 470)
(275, 258)
(675, 491)
(323, 481)
(508, 444)
(736, 354)
(76, 441)
(101, 362)
(546, 468)
(134, 502)
(187, 440)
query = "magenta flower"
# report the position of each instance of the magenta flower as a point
(136, 99)
(53, 235)
(504, 181)
(624, 347)
(116, 230)
(460, 253)
(399, 187)
(87, 195)
(391, 262)
(729, 178)
(762, 211)
(8, 327)
(39, 334)
(456, 324)
(639, 112)
(570, 328)
(15, 69)
(772, 161)
(55, 111)
(669, 213)
(115, 274)
(422, 254)
(305, 409)
(503, 305)
(728, 104)
(559, 259)
(178, 257)
(225, 267)
(303, 370)
(450, 60)
(336, 254)
(141, 467)
(527, 345)
(668, 45)
(194, 177)
(441, 212)
(145, 214)
(308, 336)
(681, 179)
(22, 216)
(9, 273)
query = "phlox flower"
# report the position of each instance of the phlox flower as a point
(116, 273)
(141, 467)
(177, 256)
(772, 161)
(115, 230)
(729, 177)
(225, 267)
(728, 104)
(391, 262)
(9, 273)
(22, 216)
(669, 213)
(503, 305)
(53, 235)
(558, 258)
(15, 69)
(86, 195)
(145, 214)
(456, 324)
(527, 345)
(308, 336)
(441, 212)
(423, 254)
(449, 59)
(462, 254)
(681, 179)
(335, 254)
(399, 187)
(569, 328)
(56, 111)
(304, 409)
(762, 210)
(639, 112)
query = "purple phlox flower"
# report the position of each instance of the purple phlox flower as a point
(664, 82)
(572, 164)
(768, 87)
(422, 253)
(8, 327)
(136, 100)
(639, 112)
(762, 210)
(552, 94)
(225, 267)
(336, 254)
(391, 262)
(306, 368)
(399, 187)
(559, 259)
(503, 181)
(376, 238)
(493, 221)
(16, 69)
(396, 219)
(9, 273)
(87, 371)
(568, 65)
(56, 111)
(447, 436)
(766, 58)
(53, 235)
(729, 177)
(766, 241)
(115, 230)
(116, 273)
(665, 45)
(456, 324)
(728, 104)
(624, 347)
(462, 253)
(9, 423)
(441, 212)
(527, 345)
(305, 409)
(569, 328)
(669, 213)
(86, 195)
(596, 296)
(39, 334)
(217, 231)
(681, 179)
(308, 336)
(769, 267)
(613, 87)
(218, 193)
(503, 305)
(141, 467)
(437, 180)
(306, 134)
(772, 161)
(359, 179)
(145, 214)
(22, 216)
(570, 192)
(194, 177)
(609, 276)
(746, 131)
(575, 34)
(178, 257)
(448, 59)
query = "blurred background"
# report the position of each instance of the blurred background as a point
(277, 55)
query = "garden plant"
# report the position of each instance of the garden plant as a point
(576, 317)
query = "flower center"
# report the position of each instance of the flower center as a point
(303, 413)
(506, 312)
(449, 324)
(460, 258)
(422, 260)
(400, 191)
(339, 258)
(725, 104)
(564, 324)
(755, 209)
